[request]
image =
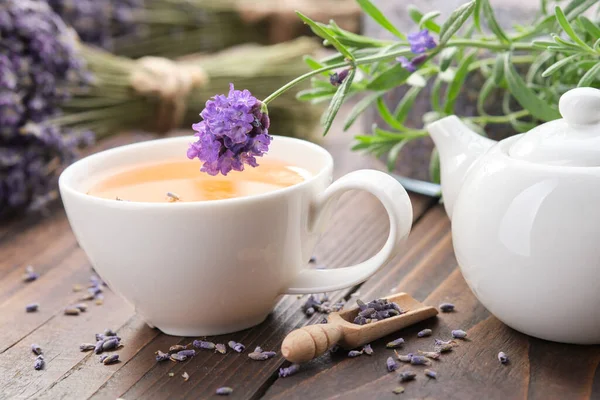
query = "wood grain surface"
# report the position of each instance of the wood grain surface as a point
(426, 269)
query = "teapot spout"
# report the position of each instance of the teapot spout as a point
(458, 147)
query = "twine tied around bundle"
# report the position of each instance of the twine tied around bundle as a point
(170, 82)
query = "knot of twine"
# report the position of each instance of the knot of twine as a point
(170, 82)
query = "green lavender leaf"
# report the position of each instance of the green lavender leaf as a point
(457, 83)
(378, 17)
(590, 27)
(562, 20)
(590, 76)
(525, 96)
(417, 16)
(404, 106)
(456, 21)
(316, 94)
(325, 34)
(429, 17)
(446, 57)
(387, 116)
(435, 95)
(360, 107)
(578, 7)
(314, 64)
(558, 65)
(393, 154)
(337, 101)
(389, 79)
(477, 15)
(487, 88)
(498, 71)
(488, 13)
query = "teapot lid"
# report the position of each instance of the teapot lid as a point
(573, 141)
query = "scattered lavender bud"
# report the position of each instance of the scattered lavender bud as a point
(439, 342)
(71, 311)
(366, 312)
(313, 260)
(354, 353)
(86, 347)
(94, 290)
(407, 376)
(201, 344)
(258, 356)
(178, 357)
(187, 353)
(171, 374)
(459, 334)
(87, 297)
(394, 344)
(109, 332)
(39, 363)
(434, 355)
(30, 275)
(236, 346)
(367, 349)
(98, 348)
(113, 358)
(446, 307)
(443, 348)
(269, 354)
(176, 348)
(309, 311)
(334, 348)
(398, 390)
(431, 374)
(391, 364)
(502, 357)
(289, 371)
(38, 350)
(81, 307)
(338, 306)
(220, 347)
(419, 360)
(99, 337)
(160, 356)
(258, 349)
(361, 304)
(33, 307)
(110, 344)
(224, 391)
(185, 376)
(425, 333)
(103, 357)
(77, 287)
(404, 358)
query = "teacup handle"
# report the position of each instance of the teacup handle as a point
(399, 208)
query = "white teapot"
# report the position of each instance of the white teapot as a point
(526, 219)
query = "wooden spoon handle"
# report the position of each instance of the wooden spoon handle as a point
(309, 342)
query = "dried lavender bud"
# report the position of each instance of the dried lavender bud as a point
(81, 307)
(439, 342)
(160, 356)
(176, 348)
(94, 290)
(258, 356)
(109, 332)
(258, 349)
(71, 311)
(38, 350)
(419, 360)
(425, 333)
(39, 363)
(269, 354)
(289, 371)
(398, 390)
(236, 346)
(111, 344)
(86, 347)
(187, 353)
(360, 320)
(336, 307)
(407, 376)
(394, 344)
(443, 348)
(313, 260)
(98, 349)
(201, 344)
(391, 364)
(446, 307)
(334, 348)
(224, 391)
(309, 311)
(310, 305)
(77, 287)
(404, 358)
(172, 197)
(367, 349)
(113, 358)
(431, 374)
(185, 376)
(459, 334)
(87, 297)
(30, 275)
(33, 307)
(171, 374)
(502, 357)
(361, 304)
(366, 312)
(103, 357)
(434, 355)
(178, 357)
(99, 337)
(354, 353)
(220, 347)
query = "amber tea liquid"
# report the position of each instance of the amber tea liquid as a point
(182, 178)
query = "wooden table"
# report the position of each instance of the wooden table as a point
(426, 268)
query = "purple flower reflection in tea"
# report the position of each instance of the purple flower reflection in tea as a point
(233, 132)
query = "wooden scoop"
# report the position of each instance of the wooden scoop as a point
(311, 341)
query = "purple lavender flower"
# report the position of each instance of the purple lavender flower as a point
(459, 334)
(407, 376)
(33, 307)
(289, 371)
(419, 360)
(502, 357)
(234, 131)
(406, 63)
(110, 344)
(424, 333)
(36, 349)
(224, 391)
(446, 307)
(391, 364)
(160, 356)
(258, 356)
(113, 358)
(421, 41)
(188, 353)
(238, 347)
(30, 275)
(336, 79)
(367, 349)
(39, 363)
(430, 374)
(201, 344)
(354, 353)
(395, 343)
(178, 357)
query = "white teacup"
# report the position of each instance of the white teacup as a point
(214, 267)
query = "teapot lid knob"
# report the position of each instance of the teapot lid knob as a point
(580, 106)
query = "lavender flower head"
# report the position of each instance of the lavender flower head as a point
(421, 41)
(234, 131)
